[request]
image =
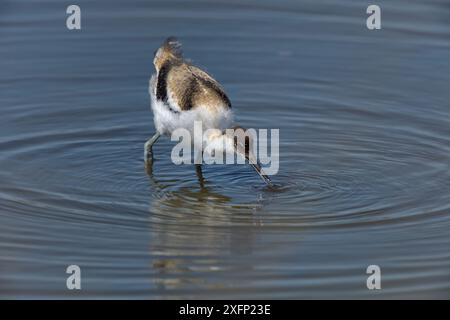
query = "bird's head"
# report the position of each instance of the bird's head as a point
(169, 51)
(244, 146)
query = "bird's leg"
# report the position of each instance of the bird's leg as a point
(201, 180)
(198, 168)
(198, 157)
(148, 153)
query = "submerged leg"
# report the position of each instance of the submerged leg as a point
(198, 168)
(148, 146)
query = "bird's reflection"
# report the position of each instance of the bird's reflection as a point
(204, 193)
(195, 231)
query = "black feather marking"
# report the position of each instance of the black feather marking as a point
(161, 86)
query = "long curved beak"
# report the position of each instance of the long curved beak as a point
(254, 163)
(244, 148)
(261, 173)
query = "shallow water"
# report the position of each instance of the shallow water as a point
(364, 121)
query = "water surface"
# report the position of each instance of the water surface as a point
(364, 121)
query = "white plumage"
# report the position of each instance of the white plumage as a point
(184, 96)
(166, 120)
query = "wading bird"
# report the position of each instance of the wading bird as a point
(182, 94)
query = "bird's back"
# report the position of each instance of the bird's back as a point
(183, 93)
(189, 87)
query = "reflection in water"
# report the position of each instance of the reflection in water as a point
(187, 239)
(148, 164)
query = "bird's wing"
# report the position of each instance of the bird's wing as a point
(209, 81)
